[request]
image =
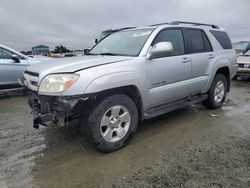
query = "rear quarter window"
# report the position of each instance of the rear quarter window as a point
(222, 38)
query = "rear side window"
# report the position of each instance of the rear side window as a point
(197, 41)
(223, 39)
(175, 37)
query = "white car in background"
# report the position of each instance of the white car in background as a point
(41, 57)
(244, 64)
(12, 66)
(241, 47)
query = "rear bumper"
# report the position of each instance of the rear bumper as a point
(60, 110)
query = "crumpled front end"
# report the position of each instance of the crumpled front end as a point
(57, 109)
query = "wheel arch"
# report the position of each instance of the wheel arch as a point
(220, 70)
(129, 90)
(226, 72)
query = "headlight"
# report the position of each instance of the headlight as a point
(56, 83)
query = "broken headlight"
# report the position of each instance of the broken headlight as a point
(56, 83)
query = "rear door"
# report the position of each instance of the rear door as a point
(201, 54)
(10, 71)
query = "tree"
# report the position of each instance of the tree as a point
(61, 49)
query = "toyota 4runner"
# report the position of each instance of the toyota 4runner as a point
(132, 75)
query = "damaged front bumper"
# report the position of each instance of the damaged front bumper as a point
(243, 71)
(58, 109)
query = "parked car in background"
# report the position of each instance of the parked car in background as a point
(110, 31)
(12, 66)
(241, 47)
(132, 75)
(244, 64)
(41, 57)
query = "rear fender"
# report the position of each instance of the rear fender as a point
(220, 63)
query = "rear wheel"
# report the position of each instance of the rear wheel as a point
(111, 123)
(217, 93)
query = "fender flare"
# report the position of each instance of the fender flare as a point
(212, 76)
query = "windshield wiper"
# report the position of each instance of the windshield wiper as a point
(91, 54)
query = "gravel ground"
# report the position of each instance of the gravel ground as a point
(185, 148)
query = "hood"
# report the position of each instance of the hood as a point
(243, 59)
(73, 64)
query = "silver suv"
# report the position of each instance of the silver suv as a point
(132, 75)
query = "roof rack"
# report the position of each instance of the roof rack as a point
(159, 24)
(194, 23)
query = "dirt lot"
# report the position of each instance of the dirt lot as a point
(186, 148)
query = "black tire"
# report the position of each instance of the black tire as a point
(210, 102)
(91, 127)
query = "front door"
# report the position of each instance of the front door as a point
(169, 76)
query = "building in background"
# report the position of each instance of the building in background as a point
(40, 50)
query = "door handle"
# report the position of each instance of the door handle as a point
(211, 56)
(185, 60)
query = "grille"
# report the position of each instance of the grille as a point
(30, 79)
(241, 65)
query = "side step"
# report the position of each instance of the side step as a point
(168, 107)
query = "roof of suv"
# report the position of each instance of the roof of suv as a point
(177, 24)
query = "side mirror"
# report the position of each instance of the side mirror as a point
(15, 58)
(96, 41)
(160, 49)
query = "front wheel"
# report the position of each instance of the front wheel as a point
(112, 123)
(217, 93)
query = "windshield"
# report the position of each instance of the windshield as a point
(127, 43)
(247, 53)
(240, 46)
(105, 33)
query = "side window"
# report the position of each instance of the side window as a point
(198, 41)
(175, 37)
(223, 39)
(5, 54)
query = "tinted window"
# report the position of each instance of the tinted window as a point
(175, 37)
(197, 41)
(223, 39)
(5, 54)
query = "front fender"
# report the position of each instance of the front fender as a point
(120, 79)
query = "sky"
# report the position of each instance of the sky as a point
(76, 23)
